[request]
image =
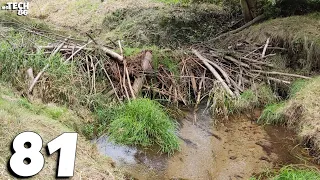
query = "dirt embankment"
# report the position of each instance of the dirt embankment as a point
(18, 115)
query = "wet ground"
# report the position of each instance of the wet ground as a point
(235, 149)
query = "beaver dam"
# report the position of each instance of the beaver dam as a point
(236, 149)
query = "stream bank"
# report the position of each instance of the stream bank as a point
(235, 149)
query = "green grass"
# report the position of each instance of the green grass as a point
(143, 122)
(272, 114)
(290, 173)
(252, 98)
(297, 86)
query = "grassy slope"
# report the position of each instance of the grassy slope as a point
(303, 112)
(17, 115)
(82, 15)
(295, 33)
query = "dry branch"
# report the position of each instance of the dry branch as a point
(213, 71)
(35, 80)
(283, 74)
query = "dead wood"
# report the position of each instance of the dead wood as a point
(236, 61)
(214, 72)
(282, 74)
(255, 20)
(139, 81)
(35, 80)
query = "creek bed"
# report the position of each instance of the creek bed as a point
(236, 148)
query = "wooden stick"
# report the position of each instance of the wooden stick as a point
(236, 61)
(224, 74)
(108, 51)
(213, 71)
(77, 51)
(114, 89)
(283, 74)
(258, 62)
(278, 80)
(35, 80)
(265, 48)
(138, 82)
(255, 20)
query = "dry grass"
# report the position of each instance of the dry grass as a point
(16, 116)
(83, 15)
(303, 113)
(300, 35)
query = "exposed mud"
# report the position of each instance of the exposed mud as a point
(236, 149)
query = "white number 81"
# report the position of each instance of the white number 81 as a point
(28, 161)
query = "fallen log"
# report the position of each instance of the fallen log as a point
(138, 82)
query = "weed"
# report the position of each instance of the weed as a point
(143, 122)
(272, 114)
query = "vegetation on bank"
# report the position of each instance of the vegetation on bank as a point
(18, 115)
(143, 122)
(138, 122)
(290, 173)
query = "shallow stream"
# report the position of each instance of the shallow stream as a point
(236, 148)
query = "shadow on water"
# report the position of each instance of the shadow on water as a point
(236, 149)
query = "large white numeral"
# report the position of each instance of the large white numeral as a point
(67, 143)
(27, 159)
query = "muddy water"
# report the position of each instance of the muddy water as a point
(234, 149)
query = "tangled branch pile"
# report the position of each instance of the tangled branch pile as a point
(200, 73)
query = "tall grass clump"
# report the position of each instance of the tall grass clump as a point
(143, 122)
(272, 114)
(253, 98)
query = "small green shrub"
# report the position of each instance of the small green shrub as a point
(143, 122)
(272, 114)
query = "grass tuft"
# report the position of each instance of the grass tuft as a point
(272, 114)
(291, 173)
(143, 122)
(297, 86)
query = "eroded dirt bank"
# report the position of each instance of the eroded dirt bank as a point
(236, 149)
